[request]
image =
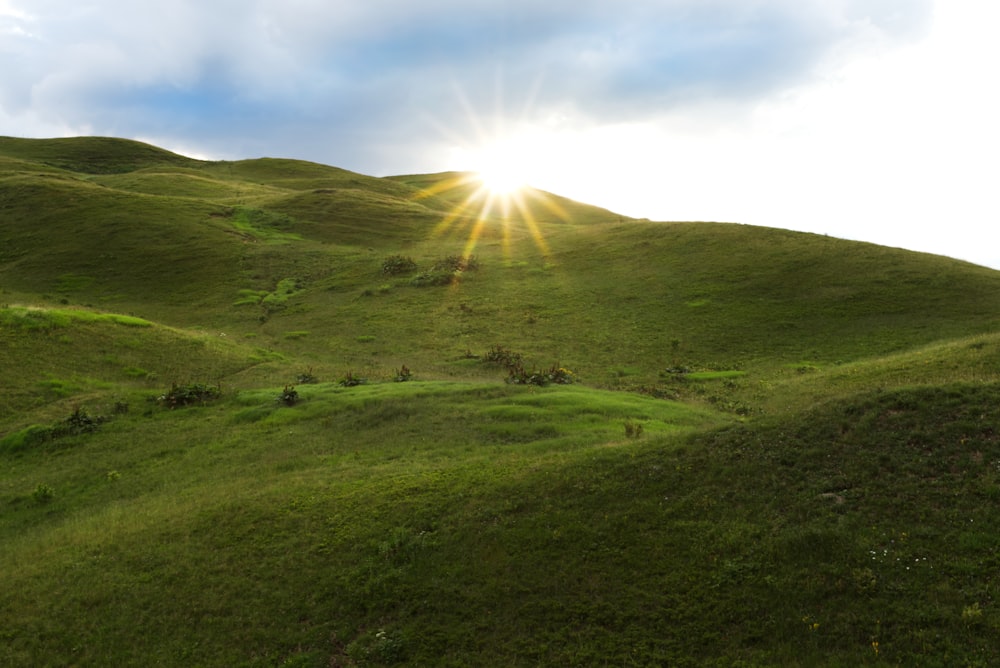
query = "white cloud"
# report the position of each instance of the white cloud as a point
(837, 116)
(893, 146)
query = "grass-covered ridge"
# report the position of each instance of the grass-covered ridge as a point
(255, 413)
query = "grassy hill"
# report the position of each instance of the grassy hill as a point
(777, 448)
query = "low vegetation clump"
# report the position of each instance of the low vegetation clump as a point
(501, 355)
(518, 375)
(395, 265)
(81, 422)
(186, 395)
(456, 263)
(289, 396)
(446, 271)
(77, 423)
(633, 429)
(306, 377)
(351, 379)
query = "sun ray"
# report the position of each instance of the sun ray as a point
(482, 206)
(449, 219)
(536, 234)
(551, 204)
(490, 197)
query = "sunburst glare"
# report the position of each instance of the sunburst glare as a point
(486, 202)
(492, 194)
(495, 156)
(500, 170)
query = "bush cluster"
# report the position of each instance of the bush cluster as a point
(79, 422)
(306, 378)
(184, 395)
(444, 271)
(453, 263)
(502, 356)
(518, 375)
(350, 379)
(289, 396)
(394, 265)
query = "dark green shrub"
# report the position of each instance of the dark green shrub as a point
(455, 263)
(446, 270)
(518, 375)
(79, 422)
(502, 356)
(394, 265)
(185, 395)
(350, 379)
(306, 378)
(289, 396)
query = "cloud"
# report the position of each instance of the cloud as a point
(837, 116)
(323, 80)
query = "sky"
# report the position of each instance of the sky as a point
(874, 120)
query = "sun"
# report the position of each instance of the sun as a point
(500, 172)
(500, 181)
(491, 181)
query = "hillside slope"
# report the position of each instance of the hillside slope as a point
(255, 415)
(184, 244)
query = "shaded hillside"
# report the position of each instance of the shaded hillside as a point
(70, 238)
(442, 523)
(56, 357)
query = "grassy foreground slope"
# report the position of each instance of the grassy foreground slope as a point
(780, 448)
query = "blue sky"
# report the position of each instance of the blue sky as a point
(864, 119)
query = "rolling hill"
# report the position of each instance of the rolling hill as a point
(776, 448)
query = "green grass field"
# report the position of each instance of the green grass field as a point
(776, 448)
